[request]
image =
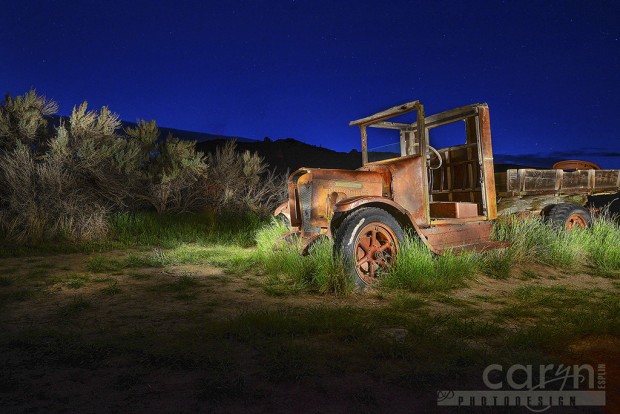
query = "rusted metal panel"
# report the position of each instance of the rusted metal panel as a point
(293, 197)
(461, 237)
(407, 184)
(353, 203)
(575, 165)
(453, 210)
(327, 185)
(283, 209)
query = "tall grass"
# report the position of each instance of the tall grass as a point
(533, 240)
(596, 250)
(172, 230)
(603, 248)
(149, 229)
(417, 269)
(319, 271)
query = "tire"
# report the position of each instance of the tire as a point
(368, 241)
(567, 216)
(283, 219)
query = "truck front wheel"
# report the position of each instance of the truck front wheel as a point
(569, 216)
(368, 241)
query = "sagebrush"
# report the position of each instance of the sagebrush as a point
(64, 179)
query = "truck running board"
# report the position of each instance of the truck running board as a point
(462, 237)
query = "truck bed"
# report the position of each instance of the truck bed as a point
(530, 189)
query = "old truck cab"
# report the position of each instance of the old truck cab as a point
(444, 195)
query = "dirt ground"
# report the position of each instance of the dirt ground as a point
(189, 338)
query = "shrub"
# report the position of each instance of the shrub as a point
(23, 119)
(172, 174)
(243, 181)
(65, 182)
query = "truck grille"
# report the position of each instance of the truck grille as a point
(305, 198)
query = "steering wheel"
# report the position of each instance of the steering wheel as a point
(438, 155)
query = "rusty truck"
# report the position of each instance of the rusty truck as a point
(448, 196)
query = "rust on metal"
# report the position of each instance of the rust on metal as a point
(458, 191)
(375, 249)
(451, 209)
(458, 237)
(575, 165)
(576, 221)
(448, 196)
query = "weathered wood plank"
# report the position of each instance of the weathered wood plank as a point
(388, 113)
(525, 182)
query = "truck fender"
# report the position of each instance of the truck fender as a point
(284, 210)
(345, 207)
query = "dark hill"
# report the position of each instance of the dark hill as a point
(290, 154)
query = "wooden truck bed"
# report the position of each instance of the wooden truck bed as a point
(531, 189)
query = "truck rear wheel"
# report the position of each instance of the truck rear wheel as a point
(368, 241)
(569, 216)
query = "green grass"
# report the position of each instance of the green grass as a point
(564, 315)
(169, 231)
(416, 269)
(76, 280)
(535, 241)
(102, 264)
(603, 248)
(148, 229)
(232, 258)
(289, 271)
(559, 304)
(497, 263)
(300, 347)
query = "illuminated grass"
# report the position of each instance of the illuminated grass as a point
(418, 270)
(148, 229)
(289, 271)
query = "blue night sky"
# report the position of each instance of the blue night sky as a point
(550, 71)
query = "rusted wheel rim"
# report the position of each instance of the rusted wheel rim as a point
(576, 220)
(375, 248)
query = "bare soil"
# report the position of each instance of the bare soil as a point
(100, 366)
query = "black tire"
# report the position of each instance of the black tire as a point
(373, 232)
(567, 216)
(282, 218)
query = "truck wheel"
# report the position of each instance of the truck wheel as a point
(569, 216)
(368, 241)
